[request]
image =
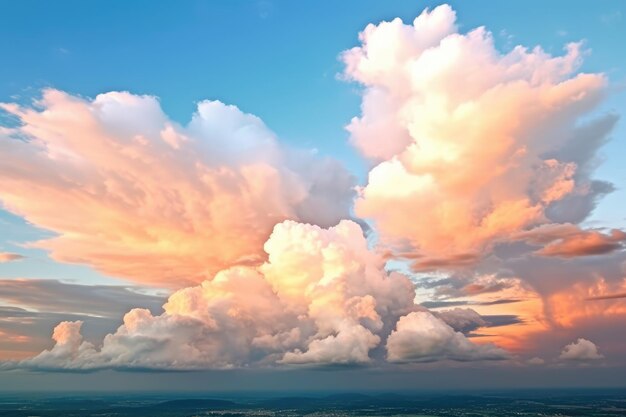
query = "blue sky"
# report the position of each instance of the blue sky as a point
(275, 59)
(279, 60)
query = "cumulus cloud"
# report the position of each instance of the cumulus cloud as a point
(581, 350)
(462, 320)
(470, 145)
(322, 297)
(29, 308)
(421, 337)
(136, 195)
(479, 157)
(9, 257)
(536, 361)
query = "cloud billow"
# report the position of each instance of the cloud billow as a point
(482, 164)
(322, 298)
(471, 145)
(581, 350)
(138, 196)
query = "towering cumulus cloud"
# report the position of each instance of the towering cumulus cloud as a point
(136, 195)
(482, 164)
(322, 297)
(470, 145)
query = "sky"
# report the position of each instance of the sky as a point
(312, 195)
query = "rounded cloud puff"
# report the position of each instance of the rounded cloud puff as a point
(421, 337)
(136, 195)
(581, 350)
(321, 298)
(470, 145)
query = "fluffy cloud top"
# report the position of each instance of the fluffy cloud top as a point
(474, 152)
(322, 297)
(581, 350)
(470, 145)
(29, 308)
(137, 195)
(421, 337)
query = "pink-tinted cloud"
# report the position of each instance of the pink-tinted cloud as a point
(10, 257)
(139, 196)
(323, 297)
(571, 305)
(608, 296)
(470, 145)
(568, 240)
(421, 337)
(472, 150)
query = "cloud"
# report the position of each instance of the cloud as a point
(608, 296)
(25, 333)
(10, 257)
(568, 240)
(470, 145)
(462, 320)
(480, 162)
(421, 337)
(492, 288)
(580, 350)
(536, 361)
(31, 307)
(136, 195)
(48, 295)
(321, 298)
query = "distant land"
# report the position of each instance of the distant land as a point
(591, 403)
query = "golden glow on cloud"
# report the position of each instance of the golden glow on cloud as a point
(138, 196)
(460, 134)
(482, 166)
(322, 298)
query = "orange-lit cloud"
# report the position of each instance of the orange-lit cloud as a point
(139, 196)
(568, 240)
(470, 145)
(585, 300)
(482, 168)
(491, 296)
(9, 257)
(322, 297)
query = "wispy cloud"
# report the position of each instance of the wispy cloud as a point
(10, 257)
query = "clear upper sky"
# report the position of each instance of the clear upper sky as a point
(276, 59)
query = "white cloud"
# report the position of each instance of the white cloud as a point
(470, 145)
(322, 297)
(580, 350)
(421, 337)
(136, 195)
